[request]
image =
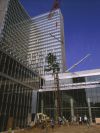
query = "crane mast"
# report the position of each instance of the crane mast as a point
(56, 5)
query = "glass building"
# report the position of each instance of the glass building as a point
(14, 29)
(17, 83)
(46, 36)
(79, 95)
(17, 79)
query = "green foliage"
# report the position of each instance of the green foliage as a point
(51, 59)
(56, 67)
(53, 65)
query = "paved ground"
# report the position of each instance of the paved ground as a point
(64, 129)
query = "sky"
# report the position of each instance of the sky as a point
(81, 29)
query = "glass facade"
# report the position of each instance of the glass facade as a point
(3, 6)
(79, 97)
(16, 85)
(15, 30)
(46, 35)
(17, 79)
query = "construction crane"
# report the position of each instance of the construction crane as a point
(56, 38)
(58, 95)
(76, 64)
(56, 5)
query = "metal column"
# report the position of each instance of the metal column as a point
(72, 109)
(89, 107)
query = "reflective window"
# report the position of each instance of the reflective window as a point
(78, 79)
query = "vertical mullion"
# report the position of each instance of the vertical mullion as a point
(1, 58)
(27, 98)
(14, 104)
(30, 100)
(12, 88)
(12, 68)
(4, 63)
(20, 110)
(20, 72)
(1, 82)
(16, 114)
(5, 83)
(19, 107)
(8, 65)
(6, 104)
(22, 106)
(25, 106)
(11, 98)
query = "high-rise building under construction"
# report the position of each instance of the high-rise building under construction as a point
(46, 36)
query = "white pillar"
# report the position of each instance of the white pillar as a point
(72, 109)
(34, 102)
(89, 108)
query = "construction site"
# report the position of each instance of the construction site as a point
(37, 92)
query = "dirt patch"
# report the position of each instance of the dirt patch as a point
(63, 129)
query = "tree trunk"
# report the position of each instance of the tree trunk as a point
(57, 94)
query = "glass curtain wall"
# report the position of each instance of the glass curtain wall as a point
(16, 85)
(76, 102)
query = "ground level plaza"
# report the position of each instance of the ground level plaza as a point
(63, 129)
